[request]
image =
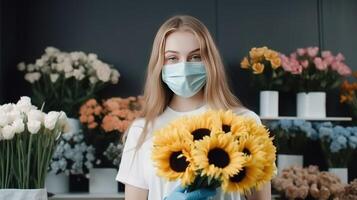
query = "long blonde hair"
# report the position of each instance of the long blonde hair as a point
(157, 95)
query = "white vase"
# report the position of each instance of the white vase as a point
(269, 103)
(341, 173)
(23, 194)
(74, 124)
(311, 105)
(286, 161)
(57, 183)
(102, 180)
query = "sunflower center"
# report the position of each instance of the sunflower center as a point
(238, 177)
(226, 128)
(218, 157)
(198, 134)
(246, 151)
(178, 163)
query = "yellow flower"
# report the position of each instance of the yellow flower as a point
(260, 135)
(243, 181)
(218, 156)
(172, 155)
(270, 54)
(258, 68)
(275, 63)
(230, 122)
(202, 125)
(257, 53)
(245, 63)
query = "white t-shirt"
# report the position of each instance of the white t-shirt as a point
(139, 170)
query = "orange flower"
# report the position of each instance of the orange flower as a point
(92, 125)
(258, 68)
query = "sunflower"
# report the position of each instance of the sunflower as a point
(172, 155)
(218, 156)
(200, 126)
(230, 122)
(252, 148)
(269, 168)
(245, 180)
(260, 145)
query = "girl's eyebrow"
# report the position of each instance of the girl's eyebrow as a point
(178, 52)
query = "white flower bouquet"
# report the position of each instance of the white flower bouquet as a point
(28, 138)
(64, 80)
(72, 155)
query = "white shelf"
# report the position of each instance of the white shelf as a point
(78, 196)
(308, 119)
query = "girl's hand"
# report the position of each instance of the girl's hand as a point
(200, 194)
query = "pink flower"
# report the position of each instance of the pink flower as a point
(301, 51)
(312, 51)
(335, 65)
(340, 57)
(325, 54)
(344, 70)
(297, 69)
(305, 63)
(293, 55)
(320, 65)
(329, 59)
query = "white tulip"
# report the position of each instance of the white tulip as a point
(68, 67)
(114, 77)
(35, 115)
(24, 104)
(93, 80)
(51, 119)
(103, 72)
(54, 77)
(18, 126)
(33, 126)
(21, 66)
(78, 74)
(51, 50)
(92, 57)
(7, 107)
(63, 122)
(4, 119)
(32, 77)
(8, 132)
(30, 67)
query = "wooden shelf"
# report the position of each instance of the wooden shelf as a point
(308, 119)
(79, 196)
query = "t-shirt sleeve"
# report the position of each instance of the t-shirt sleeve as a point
(132, 160)
(248, 113)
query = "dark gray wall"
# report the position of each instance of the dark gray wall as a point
(121, 33)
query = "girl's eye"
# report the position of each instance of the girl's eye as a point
(195, 58)
(171, 59)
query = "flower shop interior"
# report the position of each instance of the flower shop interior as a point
(80, 67)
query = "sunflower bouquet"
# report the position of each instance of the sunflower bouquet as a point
(265, 67)
(105, 123)
(215, 149)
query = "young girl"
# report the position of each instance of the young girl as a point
(185, 76)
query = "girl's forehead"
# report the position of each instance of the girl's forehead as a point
(181, 41)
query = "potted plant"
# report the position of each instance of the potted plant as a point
(307, 183)
(290, 137)
(313, 74)
(71, 157)
(264, 66)
(105, 123)
(348, 94)
(338, 144)
(28, 138)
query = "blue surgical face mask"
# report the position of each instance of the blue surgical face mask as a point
(185, 79)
